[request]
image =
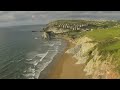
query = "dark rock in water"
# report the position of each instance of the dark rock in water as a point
(34, 31)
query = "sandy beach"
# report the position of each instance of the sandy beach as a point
(66, 68)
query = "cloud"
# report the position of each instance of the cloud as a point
(6, 18)
(14, 17)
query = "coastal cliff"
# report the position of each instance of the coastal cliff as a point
(97, 49)
(86, 53)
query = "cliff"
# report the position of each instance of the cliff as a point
(98, 49)
(86, 53)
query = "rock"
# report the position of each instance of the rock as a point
(56, 30)
(81, 49)
(89, 68)
(74, 50)
(45, 35)
(95, 67)
(100, 69)
(82, 60)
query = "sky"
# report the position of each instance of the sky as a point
(12, 18)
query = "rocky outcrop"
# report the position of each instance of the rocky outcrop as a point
(45, 35)
(99, 69)
(95, 66)
(81, 49)
(56, 30)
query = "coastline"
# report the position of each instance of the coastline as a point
(65, 67)
(45, 73)
(92, 54)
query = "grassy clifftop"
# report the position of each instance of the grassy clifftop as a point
(97, 45)
(108, 43)
(108, 40)
(106, 50)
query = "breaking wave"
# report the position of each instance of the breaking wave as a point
(37, 62)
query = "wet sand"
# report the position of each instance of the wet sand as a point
(65, 68)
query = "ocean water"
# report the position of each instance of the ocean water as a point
(24, 54)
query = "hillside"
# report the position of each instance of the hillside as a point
(61, 26)
(98, 49)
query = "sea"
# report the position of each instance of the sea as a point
(25, 54)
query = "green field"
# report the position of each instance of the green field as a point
(108, 39)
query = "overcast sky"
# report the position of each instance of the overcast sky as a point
(42, 17)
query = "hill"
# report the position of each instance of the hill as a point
(98, 49)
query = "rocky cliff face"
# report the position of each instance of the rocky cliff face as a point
(86, 53)
(45, 35)
(80, 51)
(56, 30)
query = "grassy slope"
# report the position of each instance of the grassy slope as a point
(108, 42)
(108, 39)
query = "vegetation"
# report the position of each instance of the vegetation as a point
(83, 25)
(106, 34)
(108, 43)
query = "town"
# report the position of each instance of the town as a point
(82, 25)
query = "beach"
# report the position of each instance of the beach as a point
(65, 67)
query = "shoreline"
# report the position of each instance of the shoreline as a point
(65, 67)
(45, 73)
(58, 63)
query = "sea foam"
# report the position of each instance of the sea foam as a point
(42, 60)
